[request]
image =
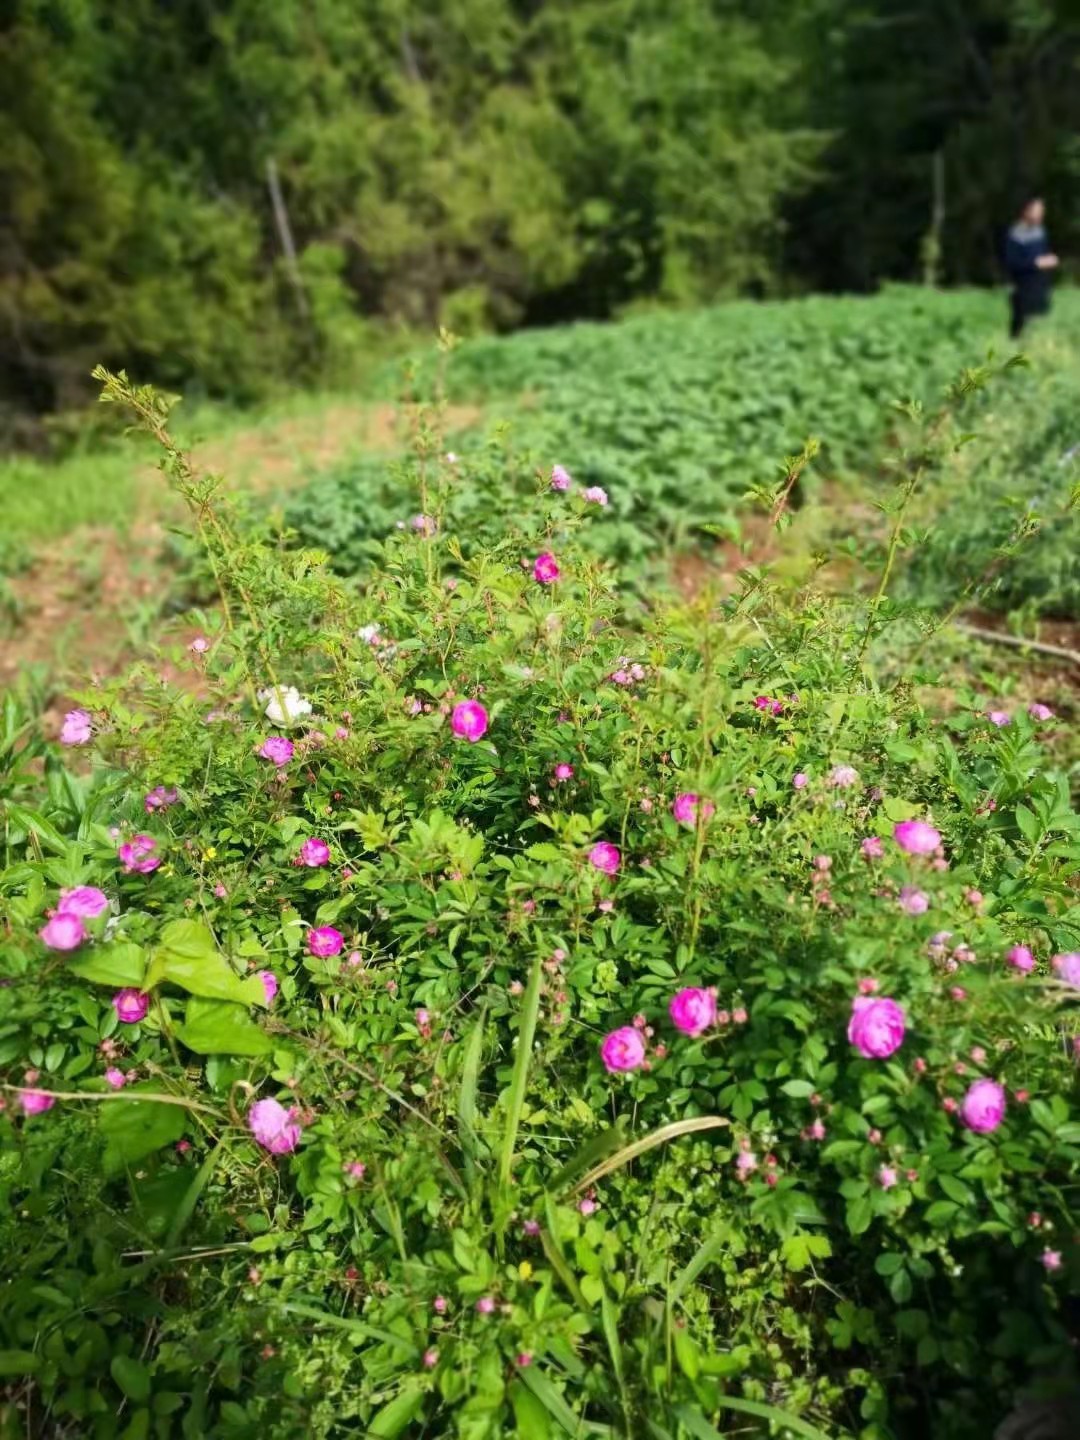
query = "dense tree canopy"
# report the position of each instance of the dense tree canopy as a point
(215, 191)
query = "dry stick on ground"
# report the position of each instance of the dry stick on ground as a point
(1018, 641)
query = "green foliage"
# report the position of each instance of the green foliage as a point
(668, 1251)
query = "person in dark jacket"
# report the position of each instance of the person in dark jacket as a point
(1029, 261)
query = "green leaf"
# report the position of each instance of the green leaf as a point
(798, 1089)
(530, 1416)
(132, 1377)
(187, 955)
(122, 965)
(400, 1412)
(133, 1128)
(700, 1428)
(551, 1399)
(221, 1027)
(18, 1362)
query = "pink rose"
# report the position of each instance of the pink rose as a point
(560, 478)
(469, 720)
(159, 799)
(872, 847)
(595, 495)
(692, 1011)
(76, 728)
(35, 1102)
(686, 807)
(916, 837)
(1021, 958)
(137, 855)
(563, 771)
(314, 852)
(623, 1049)
(801, 780)
(876, 1027)
(63, 931)
(887, 1177)
(912, 901)
(605, 857)
(114, 1078)
(983, 1107)
(130, 1005)
(277, 749)
(325, 941)
(1067, 969)
(269, 984)
(275, 1128)
(545, 568)
(1040, 712)
(84, 900)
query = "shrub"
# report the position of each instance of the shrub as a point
(396, 1189)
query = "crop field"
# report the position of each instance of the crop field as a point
(537, 902)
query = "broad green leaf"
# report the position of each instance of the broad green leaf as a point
(221, 1027)
(132, 1377)
(187, 955)
(529, 1414)
(133, 1128)
(400, 1412)
(18, 1362)
(122, 965)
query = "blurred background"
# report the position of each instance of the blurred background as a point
(221, 194)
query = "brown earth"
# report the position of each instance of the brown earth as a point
(91, 602)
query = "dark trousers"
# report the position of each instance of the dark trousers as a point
(1018, 314)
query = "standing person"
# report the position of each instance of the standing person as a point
(1029, 261)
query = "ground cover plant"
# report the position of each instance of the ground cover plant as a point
(484, 1003)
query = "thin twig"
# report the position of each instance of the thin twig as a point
(1018, 641)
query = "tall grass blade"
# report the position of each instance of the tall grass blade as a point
(649, 1142)
(520, 1078)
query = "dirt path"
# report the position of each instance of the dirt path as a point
(91, 601)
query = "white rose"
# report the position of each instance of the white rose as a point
(286, 705)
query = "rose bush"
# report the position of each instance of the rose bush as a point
(530, 1041)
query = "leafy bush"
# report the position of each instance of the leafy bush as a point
(677, 416)
(504, 820)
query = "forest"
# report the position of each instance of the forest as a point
(221, 194)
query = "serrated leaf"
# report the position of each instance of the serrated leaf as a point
(122, 966)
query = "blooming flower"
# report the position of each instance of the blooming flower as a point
(801, 780)
(563, 771)
(314, 852)
(605, 857)
(199, 645)
(983, 1107)
(86, 901)
(595, 495)
(285, 705)
(587, 1205)
(431, 1359)
(63, 931)
(692, 1011)
(842, 777)
(276, 748)
(916, 837)
(887, 1177)
(1050, 1260)
(76, 728)
(1040, 712)
(137, 855)
(912, 901)
(275, 1128)
(746, 1163)
(622, 1049)
(355, 1169)
(999, 717)
(876, 1027)
(560, 478)
(768, 705)
(545, 568)
(1067, 968)
(523, 1359)
(485, 1305)
(872, 847)
(34, 1102)
(269, 984)
(325, 941)
(115, 1078)
(130, 1005)
(469, 720)
(439, 1304)
(687, 806)
(424, 524)
(160, 799)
